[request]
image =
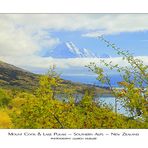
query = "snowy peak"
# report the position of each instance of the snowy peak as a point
(79, 52)
(70, 50)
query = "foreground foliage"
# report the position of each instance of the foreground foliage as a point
(43, 109)
(134, 85)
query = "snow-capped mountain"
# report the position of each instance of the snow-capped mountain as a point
(69, 50)
(79, 52)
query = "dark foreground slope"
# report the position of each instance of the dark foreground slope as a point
(14, 77)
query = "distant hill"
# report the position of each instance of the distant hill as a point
(14, 77)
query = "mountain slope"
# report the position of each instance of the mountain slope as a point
(12, 76)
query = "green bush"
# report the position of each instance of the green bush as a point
(4, 98)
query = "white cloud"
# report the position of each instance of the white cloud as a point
(17, 40)
(36, 62)
(107, 23)
(44, 40)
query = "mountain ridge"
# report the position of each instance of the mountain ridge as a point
(70, 50)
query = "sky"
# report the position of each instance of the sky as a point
(24, 37)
